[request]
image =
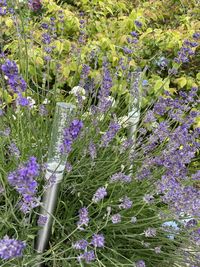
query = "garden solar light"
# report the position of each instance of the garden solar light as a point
(55, 168)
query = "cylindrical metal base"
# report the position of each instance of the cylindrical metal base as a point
(49, 202)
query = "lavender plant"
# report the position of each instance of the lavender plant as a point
(128, 198)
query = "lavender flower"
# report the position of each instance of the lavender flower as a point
(116, 218)
(14, 80)
(11, 248)
(98, 240)
(104, 92)
(3, 11)
(44, 25)
(120, 177)
(128, 143)
(43, 111)
(196, 35)
(3, 2)
(127, 50)
(6, 132)
(110, 134)
(22, 101)
(126, 203)
(138, 23)
(85, 72)
(172, 71)
(148, 198)
(46, 38)
(70, 135)
(149, 117)
(150, 232)
(88, 256)
(185, 52)
(100, 194)
(83, 217)
(196, 236)
(140, 263)
(157, 250)
(23, 179)
(42, 220)
(3, 5)
(35, 5)
(74, 128)
(13, 149)
(191, 223)
(81, 244)
(134, 34)
(68, 167)
(196, 176)
(9, 68)
(92, 150)
(162, 63)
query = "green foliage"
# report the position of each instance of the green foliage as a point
(108, 25)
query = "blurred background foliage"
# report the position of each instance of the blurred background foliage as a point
(105, 31)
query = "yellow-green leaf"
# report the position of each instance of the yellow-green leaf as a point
(39, 61)
(198, 76)
(66, 71)
(182, 81)
(158, 85)
(9, 22)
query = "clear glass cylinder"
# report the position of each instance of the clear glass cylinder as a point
(135, 103)
(56, 159)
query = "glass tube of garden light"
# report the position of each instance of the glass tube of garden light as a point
(134, 106)
(55, 167)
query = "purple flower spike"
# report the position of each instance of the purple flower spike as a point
(150, 232)
(110, 134)
(42, 220)
(98, 241)
(83, 217)
(140, 263)
(99, 195)
(11, 248)
(14, 151)
(120, 177)
(23, 179)
(70, 135)
(81, 244)
(35, 5)
(126, 203)
(14, 80)
(138, 23)
(116, 218)
(88, 256)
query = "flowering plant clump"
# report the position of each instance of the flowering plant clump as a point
(130, 192)
(14, 80)
(23, 180)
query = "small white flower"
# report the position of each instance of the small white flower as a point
(31, 102)
(46, 101)
(78, 90)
